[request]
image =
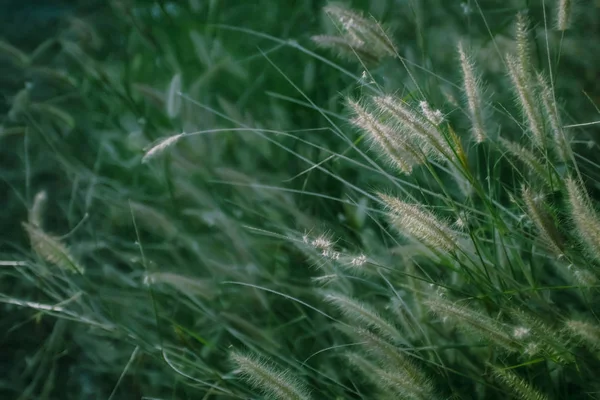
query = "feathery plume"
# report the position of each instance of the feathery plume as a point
(36, 213)
(585, 331)
(51, 249)
(346, 48)
(403, 153)
(543, 221)
(389, 380)
(390, 358)
(563, 16)
(434, 116)
(415, 126)
(173, 99)
(561, 144)
(521, 80)
(536, 337)
(360, 313)
(472, 91)
(523, 45)
(360, 36)
(518, 386)
(414, 221)
(585, 218)
(474, 322)
(161, 146)
(272, 381)
(528, 158)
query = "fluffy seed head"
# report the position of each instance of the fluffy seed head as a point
(520, 388)
(584, 217)
(37, 209)
(160, 147)
(173, 99)
(521, 80)
(543, 221)
(414, 126)
(361, 314)
(271, 380)
(535, 165)
(560, 142)
(360, 36)
(414, 221)
(563, 16)
(397, 146)
(434, 116)
(51, 249)
(585, 331)
(390, 380)
(474, 322)
(472, 91)
(523, 45)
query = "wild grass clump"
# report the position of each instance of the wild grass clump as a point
(246, 217)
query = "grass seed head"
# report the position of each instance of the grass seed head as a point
(584, 217)
(472, 91)
(414, 221)
(271, 380)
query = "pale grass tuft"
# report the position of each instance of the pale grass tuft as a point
(535, 165)
(436, 117)
(160, 147)
(274, 382)
(415, 127)
(36, 213)
(521, 79)
(173, 98)
(389, 380)
(403, 153)
(414, 221)
(185, 284)
(472, 91)
(358, 261)
(543, 221)
(390, 358)
(539, 338)
(561, 144)
(584, 217)
(474, 322)
(51, 249)
(360, 36)
(361, 313)
(325, 279)
(564, 14)
(521, 389)
(584, 331)
(523, 45)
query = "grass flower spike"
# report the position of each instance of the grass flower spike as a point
(521, 389)
(401, 150)
(472, 91)
(414, 221)
(160, 147)
(584, 217)
(272, 381)
(543, 221)
(360, 36)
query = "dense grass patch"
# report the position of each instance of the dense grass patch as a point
(270, 200)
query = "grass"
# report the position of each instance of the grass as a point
(205, 202)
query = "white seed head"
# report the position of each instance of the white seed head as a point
(161, 146)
